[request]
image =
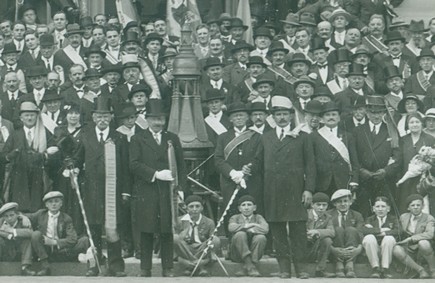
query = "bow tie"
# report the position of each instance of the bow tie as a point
(395, 57)
(322, 66)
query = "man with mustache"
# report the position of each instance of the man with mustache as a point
(340, 60)
(245, 91)
(74, 52)
(237, 72)
(352, 39)
(395, 84)
(334, 149)
(217, 49)
(375, 37)
(312, 116)
(419, 82)
(417, 42)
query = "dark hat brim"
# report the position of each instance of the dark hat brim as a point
(355, 74)
(126, 115)
(237, 48)
(208, 99)
(290, 23)
(401, 105)
(271, 51)
(51, 98)
(68, 34)
(312, 83)
(212, 65)
(238, 26)
(293, 61)
(402, 39)
(101, 52)
(259, 82)
(158, 114)
(147, 40)
(256, 63)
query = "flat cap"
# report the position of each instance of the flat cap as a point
(246, 198)
(340, 193)
(53, 194)
(193, 198)
(320, 197)
(8, 206)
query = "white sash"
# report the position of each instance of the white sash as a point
(333, 86)
(336, 143)
(217, 126)
(125, 131)
(74, 56)
(112, 59)
(5, 133)
(271, 121)
(49, 124)
(141, 122)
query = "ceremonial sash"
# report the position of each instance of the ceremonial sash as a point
(288, 77)
(5, 133)
(370, 83)
(110, 202)
(374, 43)
(74, 56)
(125, 131)
(421, 78)
(333, 86)
(216, 125)
(271, 121)
(235, 142)
(48, 122)
(142, 123)
(248, 83)
(90, 96)
(150, 79)
(336, 143)
(112, 59)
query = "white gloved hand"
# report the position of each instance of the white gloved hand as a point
(164, 175)
(52, 150)
(236, 176)
(243, 184)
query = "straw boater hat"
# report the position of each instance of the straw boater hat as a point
(280, 102)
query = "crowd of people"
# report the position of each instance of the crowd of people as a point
(312, 127)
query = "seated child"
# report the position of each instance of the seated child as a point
(192, 233)
(380, 232)
(347, 224)
(248, 239)
(417, 234)
(320, 232)
(54, 237)
(15, 238)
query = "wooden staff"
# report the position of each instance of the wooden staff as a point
(173, 184)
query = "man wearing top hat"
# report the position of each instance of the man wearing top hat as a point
(151, 190)
(321, 68)
(244, 90)
(112, 75)
(37, 77)
(27, 150)
(235, 149)
(237, 72)
(74, 52)
(340, 60)
(419, 82)
(213, 80)
(285, 160)
(375, 146)
(346, 98)
(334, 148)
(15, 238)
(10, 56)
(395, 84)
(102, 186)
(75, 92)
(262, 40)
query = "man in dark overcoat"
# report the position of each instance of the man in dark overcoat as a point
(375, 147)
(93, 151)
(149, 164)
(286, 160)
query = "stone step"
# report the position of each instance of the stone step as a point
(267, 266)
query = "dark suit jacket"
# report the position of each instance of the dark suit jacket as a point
(205, 229)
(390, 222)
(346, 99)
(10, 109)
(364, 9)
(413, 86)
(330, 166)
(26, 60)
(315, 69)
(60, 58)
(353, 218)
(226, 88)
(70, 96)
(323, 224)
(65, 229)
(234, 74)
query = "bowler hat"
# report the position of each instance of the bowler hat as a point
(253, 60)
(224, 17)
(417, 26)
(244, 198)
(131, 36)
(46, 40)
(213, 94)
(304, 80)
(52, 194)
(155, 108)
(257, 106)
(95, 49)
(263, 79)
(362, 49)
(339, 55)
(139, 88)
(413, 197)
(401, 105)
(126, 110)
(129, 25)
(271, 25)
(102, 105)
(241, 44)
(130, 61)
(340, 12)
(112, 68)
(356, 70)
(320, 197)
(291, 19)
(237, 23)
(313, 107)
(28, 106)
(393, 36)
(280, 102)
(307, 19)
(92, 73)
(152, 36)
(391, 71)
(36, 71)
(193, 198)
(8, 206)
(298, 57)
(86, 22)
(340, 193)
(426, 52)
(330, 106)
(262, 31)
(169, 52)
(237, 107)
(10, 48)
(277, 46)
(375, 103)
(322, 91)
(51, 95)
(73, 29)
(211, 62)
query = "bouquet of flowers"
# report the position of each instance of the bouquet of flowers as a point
(419, 164)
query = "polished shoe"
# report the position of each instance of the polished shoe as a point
(386, 274)
(168, 273)
(303, 275)
(324, 274)
(45, 271)
(340, 273)
(92, 272)
(144, 273)
(27, 272)
(375, 273)
(423, 274)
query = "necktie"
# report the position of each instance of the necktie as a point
(12, 97)
(381, 221)
(344, 83)
(216, 85)
(374, 130)
(265, 101)
(101, 138)
(343, 220)
(156, 137)
(281, 136)
(52, 117)
(60, 42)
(19, 46)
(38, 97)
(304, 104)
(48, 65)
(29, 138)
(33, 53)
(192, 236)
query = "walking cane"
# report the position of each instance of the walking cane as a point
(75, 186)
